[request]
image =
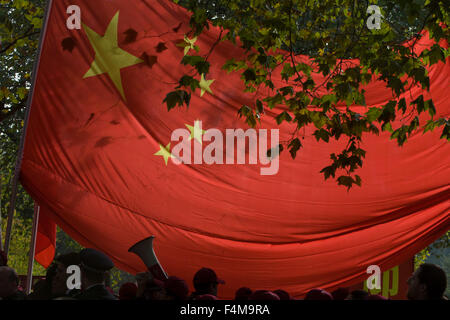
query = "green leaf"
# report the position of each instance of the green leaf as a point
(294, 146)
(358, 180)
(22, 92)
(328, 171)
(446, 131)
(345, 181)
(287, 72)
(373, 114)
(178, 97)
(322, 134)
(436, 54)
(402, 105)
(284, 116)
(199, 63)
(188, 81)
(249, 75)
(430, 107)
(420, 104)
(387, 127)
(259, 106)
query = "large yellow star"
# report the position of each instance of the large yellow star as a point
(109, 58)
(205, 85)
(164, 152)
(196, 131)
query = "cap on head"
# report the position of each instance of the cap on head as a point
(68, 259)
(95, 261)
(205, 276)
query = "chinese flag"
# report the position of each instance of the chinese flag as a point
(98, 157)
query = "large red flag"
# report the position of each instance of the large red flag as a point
(102, 156)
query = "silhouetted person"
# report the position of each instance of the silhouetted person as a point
(9, 285)
(428, 282)
(259, 295)
(143, 281)
(284, 295)
(175, 289)
(152, 290)
(94, 270)
(318, 294)
(128, 291)
(206, 282)
(42, 290)
(340, 294)
(59, 281)
(242, 294)
(207, 297)
(358, 295)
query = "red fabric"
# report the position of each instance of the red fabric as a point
(90, 158)
(45, 240)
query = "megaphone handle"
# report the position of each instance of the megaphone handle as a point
(158, 272)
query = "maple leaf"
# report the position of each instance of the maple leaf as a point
(149, 60)
(130, 35)
(68, 44)
(161, 47)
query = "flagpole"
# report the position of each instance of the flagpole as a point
(32, 249)
(12, 202)
(1, 223)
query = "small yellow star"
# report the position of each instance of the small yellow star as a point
(164, 152)
(196, 131)
(188, 44)
(205, 85)
(109, 57)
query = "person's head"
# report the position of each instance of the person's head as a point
(175, 289)
(263, 295)
(90, 277)
(9, 281)
(206, 297)
(141, 281)
(152, 290)
(284, 295)
(59, 278)
(358, 295)
(206, 281)
(50, 273)
(242, 294)
(340, 294)
(3, 259)
(94, 267)
(318, 294)
(127, 291)
(428, 282)
(42, 289)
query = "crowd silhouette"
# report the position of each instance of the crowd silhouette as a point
(428, 282)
